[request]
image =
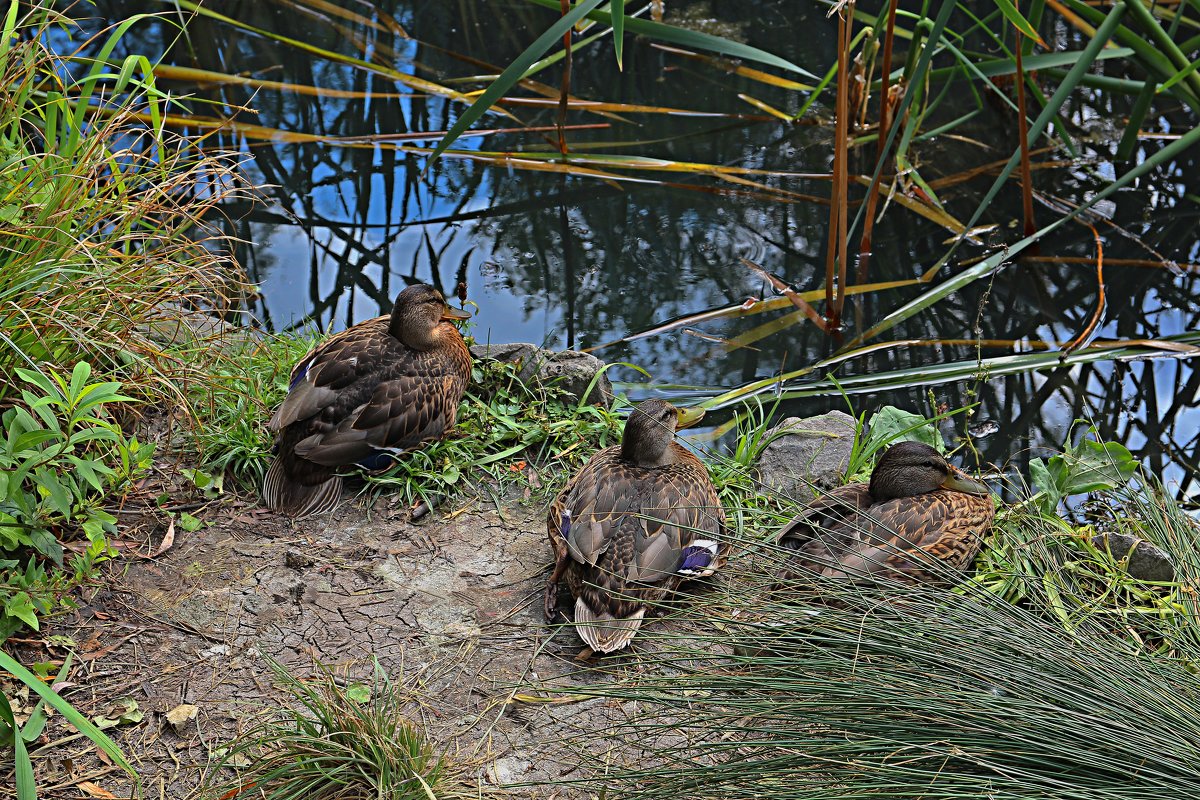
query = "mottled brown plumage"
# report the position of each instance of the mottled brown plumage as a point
(377, 389)
(917, 520)
(635, 522)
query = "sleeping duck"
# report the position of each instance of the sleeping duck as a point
(369, 393)
(637, 520)
(917, 518)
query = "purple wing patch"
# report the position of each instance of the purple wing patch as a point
(696, 558)
(300, 375)
(564, 525)
(379, 460)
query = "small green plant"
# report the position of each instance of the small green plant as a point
(1086, 466)
(229, 433)
(60, 455)
(335, 742)
(505, 426)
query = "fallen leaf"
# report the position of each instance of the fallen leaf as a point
(167, 541)
(123, 712)
(181, 715)
(92, 790)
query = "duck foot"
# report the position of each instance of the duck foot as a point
(550, 601)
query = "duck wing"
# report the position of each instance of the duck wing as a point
(824, 530)
(917, 538)
(322, 377)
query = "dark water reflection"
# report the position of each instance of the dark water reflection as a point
(578, 262)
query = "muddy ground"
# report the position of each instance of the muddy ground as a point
(449, 605)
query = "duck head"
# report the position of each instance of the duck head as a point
(911, 468)
(418, 312)
(650, 429)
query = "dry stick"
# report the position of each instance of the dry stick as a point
(1023, 127)
(885, 124)
(565, 86)
(1101, 302)
(837, 205)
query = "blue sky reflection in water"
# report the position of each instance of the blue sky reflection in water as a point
(579, 261)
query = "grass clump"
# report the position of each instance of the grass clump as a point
(107, 254)
(337, 741)
(511, 433)
(232, 408)
(109, 270)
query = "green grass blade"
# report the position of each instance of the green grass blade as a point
(512, 74)
(1185, 345)
(1137, 115)
(82, 723)
(1186, 69)
(6, 34)
(1011, 13)
(22, 766)
(692, 39)
(618, 31)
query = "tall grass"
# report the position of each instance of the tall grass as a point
(108, 251)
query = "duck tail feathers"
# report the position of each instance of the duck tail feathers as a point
(295, 499)
(605, 633)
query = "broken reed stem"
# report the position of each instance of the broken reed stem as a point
(885, 124)
(1101, 301)
(837, 214)
(565, 86)
(1023, 127)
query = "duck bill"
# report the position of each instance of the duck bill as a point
(454, 313)
(959, 481)
(688, 417)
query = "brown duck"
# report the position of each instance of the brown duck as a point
(635, 522)
(371, 392)
(918, 517)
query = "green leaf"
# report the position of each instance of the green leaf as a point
(617, 9)
(512, 73)
(190, 523)
(45, 543)
(19, 606)
(79, 376)
(60, 497)
(210, 485)
(1011, 13)
(890, 424)
(1039, 475)
(684, 37)
(1092, 466)
(359, 693)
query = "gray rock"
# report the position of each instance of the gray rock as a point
(807, 454)
(568, 370)
(1146, 562)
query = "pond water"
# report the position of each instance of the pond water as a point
(571, 261)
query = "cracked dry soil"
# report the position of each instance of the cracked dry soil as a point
(450, 606)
